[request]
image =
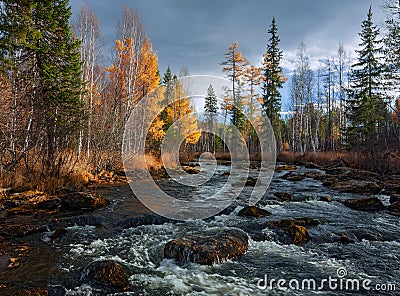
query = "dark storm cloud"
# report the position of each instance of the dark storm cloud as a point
(195, 34)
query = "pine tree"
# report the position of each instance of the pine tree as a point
(273, 76)
(167, 78)
(368, 110)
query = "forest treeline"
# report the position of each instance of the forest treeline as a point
(63, 112)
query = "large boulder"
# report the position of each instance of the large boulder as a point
(354, 186)
(209, 247)
(107, 275)
(76, 201)
(369, 204)
(253, 211)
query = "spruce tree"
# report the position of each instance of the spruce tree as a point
(273, 76)
(36, 35)
(368, 110)
(210, 112)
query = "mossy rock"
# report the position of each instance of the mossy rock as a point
(108, 275)
(253, 211)
(299, 234)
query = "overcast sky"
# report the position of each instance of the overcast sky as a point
(196, 33)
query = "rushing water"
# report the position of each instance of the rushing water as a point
(374, 256)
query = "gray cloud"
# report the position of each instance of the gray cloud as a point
(195, 34)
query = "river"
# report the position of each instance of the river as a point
(374, 255)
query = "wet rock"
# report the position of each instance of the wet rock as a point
(82, 201)
(311, 165)
(81, 220)
(108, 276)
(326, 199)
(298, 233)
(394, 198)
(59, 232)
(354, 186)
(31, 292)
(370, 204)
(253, 211)
(251, 181)
(25, 210)
(284, 196)
(285, 168)
(345, 239)
(148, 219)
(306, 221)
(225, 174)
(190, 170)
(50, 204)
(294, 177)
(293, 231)
(394, 209)
(313, 175)
(2, 245)
(20, 230)
(207, 248)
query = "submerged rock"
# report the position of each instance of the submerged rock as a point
(225, 174)
(108, 276)
(253, 211)
(208, 248)
(369, 204)
(284, 196)
(294, 177)
(311, 165)
(394, 198)
(345, 239)
(82, 201)
(326, 199)
(251, 181)
(394, 209)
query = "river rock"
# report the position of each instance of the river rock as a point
(21, 229)
(50, 204)
(354, 186)
(284, 196)
(107, 275)
(2, 245)
(253, 211)
(298, 233)
(311, 165)
(191, 170)
(394, 209)
(326, 199)
(207, 248)
(294, 177)
(394, 198)
(369, 204)
(285, 168)
(225, 174)
(251, 181)
(82, 201)
(31, 292)
(345, 239)
(294, 229)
